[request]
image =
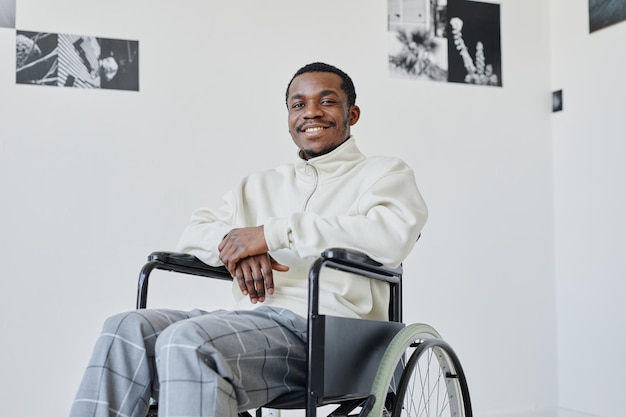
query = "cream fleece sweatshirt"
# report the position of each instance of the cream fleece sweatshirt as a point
(341, 199)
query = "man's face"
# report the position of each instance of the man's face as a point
(319, 116)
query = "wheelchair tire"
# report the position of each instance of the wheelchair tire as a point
(420, 375)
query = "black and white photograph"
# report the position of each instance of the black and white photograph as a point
(36, 58)
(445, 40)
(474, 54)
(91, 62)
(7, 14)
(603, 13)
(418, 45)
(76, 61)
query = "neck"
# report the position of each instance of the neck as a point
(308, 154)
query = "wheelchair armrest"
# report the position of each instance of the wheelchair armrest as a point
(187, 263)
(176, 262)
(357, 262)
(353, 261)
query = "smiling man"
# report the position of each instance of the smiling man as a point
(321, 111)
(267, 233)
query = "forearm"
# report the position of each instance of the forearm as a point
(387, 239)
(203, 235)
(384, 223)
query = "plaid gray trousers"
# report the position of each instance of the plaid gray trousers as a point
(197, 364)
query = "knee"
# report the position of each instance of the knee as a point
(127, 324)
(185, 344)
(181, 334)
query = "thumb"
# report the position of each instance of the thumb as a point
(278, 266)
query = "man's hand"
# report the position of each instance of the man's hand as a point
(254, 276)
(241, 243)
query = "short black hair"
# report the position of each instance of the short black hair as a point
(346, 82)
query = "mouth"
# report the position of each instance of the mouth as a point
(312, 128)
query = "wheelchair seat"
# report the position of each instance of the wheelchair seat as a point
(360, 365)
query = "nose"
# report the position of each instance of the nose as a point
(312, 110)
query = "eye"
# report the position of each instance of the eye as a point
(328, 101)
(297, 105)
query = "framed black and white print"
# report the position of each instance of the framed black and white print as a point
(603, 13)
(78, 61)
(445, 40)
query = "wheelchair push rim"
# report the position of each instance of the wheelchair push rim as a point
(430, 382)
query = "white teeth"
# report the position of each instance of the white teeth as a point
(313, 129)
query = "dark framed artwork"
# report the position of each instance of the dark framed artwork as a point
(603, 13)
(78, 61)
(445, 40)
(36, 58)
(474, 55)
(418, 42)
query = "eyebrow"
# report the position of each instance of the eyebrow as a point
(323, 93)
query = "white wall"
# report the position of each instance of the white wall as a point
(92, 181)
(590, 202)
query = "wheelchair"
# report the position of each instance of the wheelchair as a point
(357, 367)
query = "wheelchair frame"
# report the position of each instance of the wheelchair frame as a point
(363, 380)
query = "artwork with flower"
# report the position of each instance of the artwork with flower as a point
(445, 40)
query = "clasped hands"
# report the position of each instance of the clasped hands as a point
(244, 253)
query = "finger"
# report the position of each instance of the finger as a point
(240, 281)
(229, 260)
(222, 244)
(225, 245)
(224, 256)
(250, 286)
(277, 266)
(229, 253)
(259, 284)
(268, 280)
(232, 268)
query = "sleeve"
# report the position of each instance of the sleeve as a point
(206, 230)
(389, 218)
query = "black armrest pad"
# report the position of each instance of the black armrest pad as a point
(349, 255)
(359, 259)
(177, 258)
(188, 262)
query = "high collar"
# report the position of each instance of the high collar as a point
(333, 164)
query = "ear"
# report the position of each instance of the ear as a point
(355, 113)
